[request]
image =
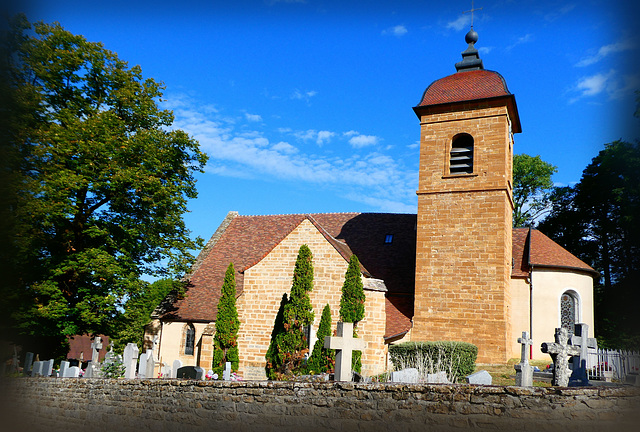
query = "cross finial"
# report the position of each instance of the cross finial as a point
(471, 10)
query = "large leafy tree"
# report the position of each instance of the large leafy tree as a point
(99, 183)
(225, 341)
(290, 344)
(532, 189)
(599, 220)
(352, 303)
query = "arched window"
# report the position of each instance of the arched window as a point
(189, 339)
(461, 156)
(568, 311)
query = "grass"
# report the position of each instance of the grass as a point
(505, 374)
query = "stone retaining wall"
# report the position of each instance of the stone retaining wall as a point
(50, 404)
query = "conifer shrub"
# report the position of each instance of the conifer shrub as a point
(274, 357)
(225, 341)
(457, 359)
(322, 359)
(352, 304)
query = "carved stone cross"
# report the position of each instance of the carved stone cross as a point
(560, 351)
(524, 371)
(96, 346)
(526, 343)
(344, 344)
(581, 339)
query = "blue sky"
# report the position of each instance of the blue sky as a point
(305, 106)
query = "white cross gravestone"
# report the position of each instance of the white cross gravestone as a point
(524, 371)
(344, 344)
(560, 351)
(177, 364)
(581, 339)
(130, 360)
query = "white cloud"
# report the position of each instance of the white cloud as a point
(607, 50)
(462, 22)
(593, 85)
(253, 117)
(397, 31)
(319, 137)
(522, 39)
(359, 141)
(611, 83)
(324, 136)
(306, 95)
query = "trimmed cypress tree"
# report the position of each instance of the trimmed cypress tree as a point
(322, 359)
(289, 345)
(352, 304)
(225, 341)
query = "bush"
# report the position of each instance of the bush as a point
(457, 359)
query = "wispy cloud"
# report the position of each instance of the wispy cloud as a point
(397, 31)
(557, 13)
(606, 50)
(253, 117)
(462, 22)
(373, 178)
(306, 95)
(611, 83)
(521, 40)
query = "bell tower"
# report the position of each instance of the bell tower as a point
(465, 203)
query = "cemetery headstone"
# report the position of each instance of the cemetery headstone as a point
(96, 346)
(560, 351)
(130, 360)
(166, 370)
(524, 371)
(226, 374)
(344, 344)
(72, 372)
(480, 378)
(28, 363)
(36, 369)
(64, 365)
(47, 368)
(437, 378)
(581, 339)
(151, 365)
(409, 375)
(177, 364)
(142, 365)
(191, 372)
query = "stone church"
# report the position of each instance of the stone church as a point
(455, 271)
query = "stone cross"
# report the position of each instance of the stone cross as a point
(560, 351)
(580, 339)
(344, 344)
(524, 371)
(96, 346)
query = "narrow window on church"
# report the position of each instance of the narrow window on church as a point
(461, 157)
(189, 339)
(568, 311)
(389, 238)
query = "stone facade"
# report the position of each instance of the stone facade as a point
(463, 254)
(51, 405)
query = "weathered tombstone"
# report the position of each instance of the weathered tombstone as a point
(177, 364)
(166, 370)
(72, 372)
(130, 360)
(480, 378)
(151, 365)
(191, 372)
(28, 363)
(437, 378)
(64, 365)
(36, 370)
(226, 374)
(560, 351)
(409, 375)
(344, 344)
(524, 371)
(47, 368)
(581, 339)
(142, 365)
(96, 346)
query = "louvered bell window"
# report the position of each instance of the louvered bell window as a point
(461, 158)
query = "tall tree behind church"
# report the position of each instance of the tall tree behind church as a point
(352, 303)
(225, 341)
(532, 189)
(285, 357)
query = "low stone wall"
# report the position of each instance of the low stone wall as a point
(51, 404)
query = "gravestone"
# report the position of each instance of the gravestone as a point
(524, 371)
(166, 370)
(96, 346)
(191, 372)
(28, 364)
(177, 364)
(409, 375)
(47, 368)
(72, 372)
(581, 339)
(142, 365)
(344, 344)
(36, 370)
(15, 361)
(64, 365)
(226, 374)
(480, 378)
(130, 360)
(437, 378)
(151, 365)
(560, 351)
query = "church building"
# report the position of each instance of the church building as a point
(456, 271)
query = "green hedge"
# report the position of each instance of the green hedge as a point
(458, 359)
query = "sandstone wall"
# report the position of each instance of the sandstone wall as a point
(50, 404)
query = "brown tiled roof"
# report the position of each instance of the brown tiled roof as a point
(531, 247)
(399, 311)
(82, 344)
(465, 86)
(248, 239)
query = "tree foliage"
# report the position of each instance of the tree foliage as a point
(290, 345)
(599, 221)
(225, 341)
(322, 359)
(352, 303)
(532, 189)
(99, 183)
